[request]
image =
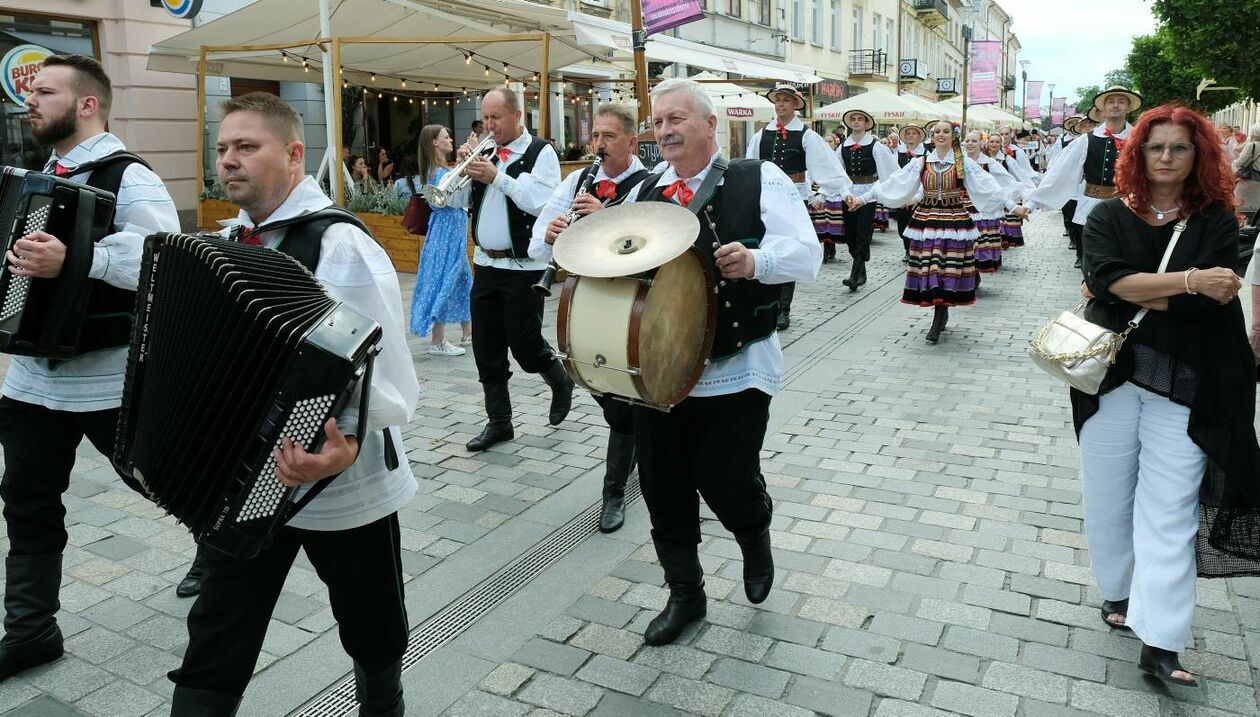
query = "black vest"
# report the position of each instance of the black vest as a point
(904, 158)
(746, 310)
(304, 234)
(110, 310)
(1064, 142)
(1100, 160)
(623, 187)
(520, 222)
(859, 160)
(788, 154)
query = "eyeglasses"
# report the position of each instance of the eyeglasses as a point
(1155, 150)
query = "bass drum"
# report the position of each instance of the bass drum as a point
(643, 338)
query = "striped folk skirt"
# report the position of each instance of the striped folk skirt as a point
(829, 222)
(1012, 232)
(881, 218)
(989, 245)
(942, 267)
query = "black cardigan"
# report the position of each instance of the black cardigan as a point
(1200, 350)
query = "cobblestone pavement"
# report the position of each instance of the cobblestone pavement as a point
(927, 533)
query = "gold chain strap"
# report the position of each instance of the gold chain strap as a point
(1110, 347)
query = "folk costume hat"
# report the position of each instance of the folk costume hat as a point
(1094, 115)
(863, 113)
(785, 88)
(1135, 100)
(1070, 123)
(914, 128)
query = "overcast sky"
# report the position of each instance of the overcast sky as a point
(1073, 43)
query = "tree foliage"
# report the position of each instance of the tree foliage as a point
(1120, 77)
(1085, 97)
(1160, 78)
(1219, 40)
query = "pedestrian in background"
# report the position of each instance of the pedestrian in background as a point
(1247, 171)
(1168, 451)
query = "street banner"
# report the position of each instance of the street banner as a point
(1057, 106)
(1032, 99)
(661, 15)
(982, 85)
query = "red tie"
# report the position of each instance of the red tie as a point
(606, 189)
(60, 169)
(1010, 151)
(248, 236)
(782, 131)
(1119, 142)
(680, 192)
(504, 153)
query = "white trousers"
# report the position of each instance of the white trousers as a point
(1140, 476)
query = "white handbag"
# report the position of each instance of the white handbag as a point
(1079, 352)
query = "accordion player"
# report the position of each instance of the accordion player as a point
(48, 317)
(234, 347)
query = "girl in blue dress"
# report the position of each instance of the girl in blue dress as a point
(444, 279)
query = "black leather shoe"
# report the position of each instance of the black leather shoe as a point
(191, 584)
(31, 636)
(379, 693)
(561, 392)
(758, 565)
(499, 414)
(686, 605)
(861, 279)
(617, 467)
(783, 323)
(1161, 664)
(1077, 264)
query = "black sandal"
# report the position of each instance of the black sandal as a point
(1115, 607)
(1161, 664)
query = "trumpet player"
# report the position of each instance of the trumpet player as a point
(508, 188)
(613, 137)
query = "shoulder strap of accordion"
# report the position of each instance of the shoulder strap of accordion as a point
(107, 172)
(303, 233)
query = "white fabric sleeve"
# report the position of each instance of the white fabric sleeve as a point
(789, 250)
(143, 207)
(900, 188)
(885, 161)
(561, 200)
(983, 188)
(1063, 180)
(531, 191)
(825, 168)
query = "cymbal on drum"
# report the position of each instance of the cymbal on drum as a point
(626, 239)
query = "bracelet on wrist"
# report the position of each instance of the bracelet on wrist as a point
(1190, 271)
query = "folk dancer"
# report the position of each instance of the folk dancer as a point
(48, 407)
(756, 232)
(1017, 162)
(1054, 150)
(988, 245)
(614, 136)
(803, 155)
(865, 161)
(508, 191)
(951, 190)
(350, 531)
(912, 136)
(1093, 160)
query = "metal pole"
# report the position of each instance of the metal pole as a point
(333, 156)
(639, 41)
(965, 75)
(336, 172)
(201, 131)
(544, 90)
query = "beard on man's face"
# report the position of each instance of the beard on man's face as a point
(55, 130)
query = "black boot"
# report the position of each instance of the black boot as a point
(561, 392)
(31, 636)
(855, 272)
(829, 252)
(499, 412)
(379, 693)
(939, 317)
(617, 469)
(686, 602)
(861, 280)
(192, 702)
(786, 292)
(758, 565)
(191, 584)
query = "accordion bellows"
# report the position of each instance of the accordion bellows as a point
(234, 346)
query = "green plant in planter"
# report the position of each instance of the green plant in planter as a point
(377, 201)
(215, 191)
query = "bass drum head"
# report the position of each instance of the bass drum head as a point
(675, 329)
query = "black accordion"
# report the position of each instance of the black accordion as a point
(234, 346)
(44, 317)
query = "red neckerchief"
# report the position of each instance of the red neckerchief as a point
(60, 169)
(782, 131)
(1010, 151)
(606, 189)
(679, 192)
(503, 153)
(1114, 138)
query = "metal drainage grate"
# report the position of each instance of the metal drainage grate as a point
(459, 615)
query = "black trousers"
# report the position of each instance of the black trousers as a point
(39, 452)
(619, 415)
(706, 447)
(1069, 211)
(362, 568)
(506, 313)
(859, 227)
(902, 216)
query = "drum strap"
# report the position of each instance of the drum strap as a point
(709, 185)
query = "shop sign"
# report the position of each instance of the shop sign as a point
(649, 151)
(742, 112)
(182, 9)
(831, 91)
(19, 67)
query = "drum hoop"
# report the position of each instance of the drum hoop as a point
(562, 332)
(632, 338)
(710, 327)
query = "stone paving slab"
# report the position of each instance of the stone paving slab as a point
(927, 535)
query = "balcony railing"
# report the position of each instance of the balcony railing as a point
(868, 63)
(1008, 82)
(932, 12)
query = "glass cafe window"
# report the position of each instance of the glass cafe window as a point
(24, 41)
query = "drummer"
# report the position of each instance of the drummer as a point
(614, 137)
(756, 233)
(803, 155)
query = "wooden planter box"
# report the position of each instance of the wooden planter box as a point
(210, 211)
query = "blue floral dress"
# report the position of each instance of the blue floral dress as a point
(444, 280)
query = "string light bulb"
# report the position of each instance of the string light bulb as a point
(284, 55)
(404, 84)
(468, 59)
(487, 69)
(374, 77)
(305, 66)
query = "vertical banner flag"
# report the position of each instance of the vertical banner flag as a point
(661, 15)
(1032, 99)
(982, 85)
(1057, 106)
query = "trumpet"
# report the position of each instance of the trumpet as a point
(543, 287)
(439, 194)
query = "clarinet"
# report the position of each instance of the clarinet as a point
(543, 287)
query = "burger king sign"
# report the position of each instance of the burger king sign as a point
(18, 68)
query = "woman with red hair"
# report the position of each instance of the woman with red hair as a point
(1168, 449)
